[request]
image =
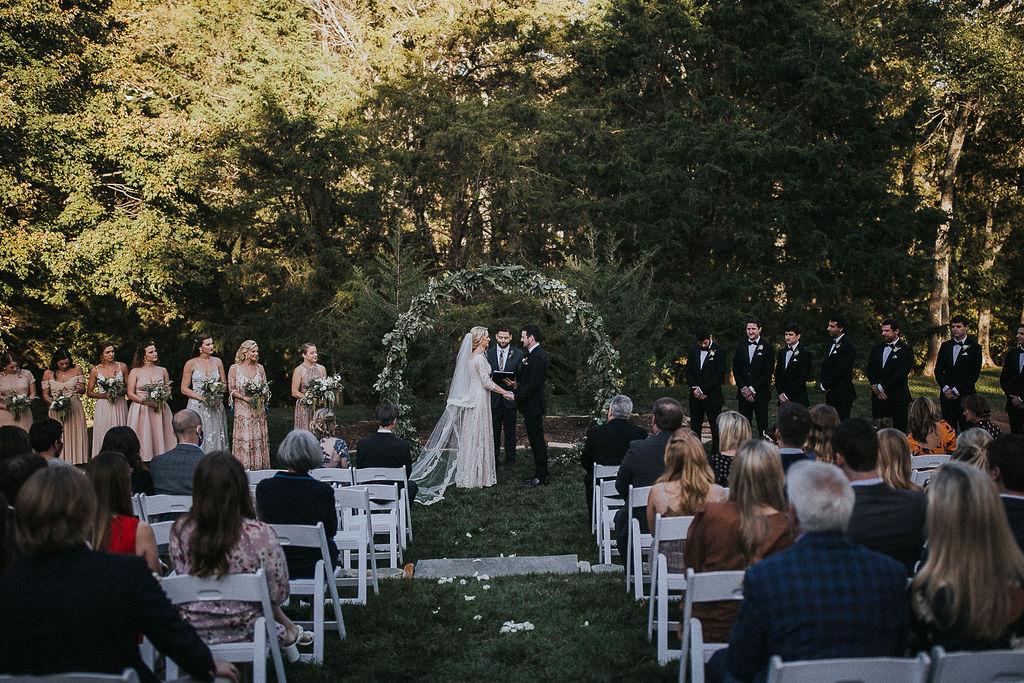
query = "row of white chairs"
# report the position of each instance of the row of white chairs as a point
(941, 667)
(922, 467)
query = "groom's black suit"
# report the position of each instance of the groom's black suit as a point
(530, 398)
(503, 411)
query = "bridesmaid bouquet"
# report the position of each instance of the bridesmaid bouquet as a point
(258, 392)
(159, 394)
(61, 406)
(213, 392)
(113, 387)
(323, 391)
(17, 404)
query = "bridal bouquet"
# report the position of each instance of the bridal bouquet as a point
(113, 387)
(158, 394)
(61, 406)
(17, 404)
(323, 391)
(213, 392)
(257, 391)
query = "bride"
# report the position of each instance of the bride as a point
(461, 447)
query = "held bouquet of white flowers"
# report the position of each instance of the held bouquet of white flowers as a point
(323, 391)
(61, 406)
(17, 404)
(158, 394)
(114, 388)
(213, 392)
(257, 391)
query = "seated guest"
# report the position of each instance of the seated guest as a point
(123, 440)
(733, 429)
(826, 597)
(334, 451)
(6, 551)
(686, 485)
(791, 429)
(47, 439)
(384, 449)
(114, 528)
(972, 447)
(741, 532)
(1006, 467)
(967, 595)
(14, 472)
(644, 462)
(606, 443)
(929, 433)
(294, 497)
(884, 520)
(977, 413)
(172, 471)
(66, 608)
(824, 420)
(894, 460)
(13, 441)
(220, 535)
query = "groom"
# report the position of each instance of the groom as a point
(529, 392)
(504, 358)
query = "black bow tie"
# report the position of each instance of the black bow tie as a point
(791, 348)
(891, 345)
(752, 343)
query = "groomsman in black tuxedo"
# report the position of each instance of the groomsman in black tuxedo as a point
(529, 391)
(504, 358)
(956, 371)
(1011, 379)
(889, 364)
(752, 369)
(793, 368)
(705, 370)
(836, 376)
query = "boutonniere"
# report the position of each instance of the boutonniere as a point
(836, 346)
(759, 348)
(711, 354)
(963, 348)
(796, 352)
(526, 362)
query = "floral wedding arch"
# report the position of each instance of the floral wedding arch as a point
(602, 378)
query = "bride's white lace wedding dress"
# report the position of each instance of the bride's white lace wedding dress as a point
(460, 450)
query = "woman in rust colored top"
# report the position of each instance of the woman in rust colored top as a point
(735, 534)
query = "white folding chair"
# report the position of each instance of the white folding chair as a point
(303, 536)
(243, 588)
(355, 535)
(978, 667)
(383, 475)
(921, 477)
(704, 587)
(637, 542)
(666, 587)
(163, 504)
(601, 473)
(927, 462)
(336, 476)
(609, 503)
(126, 676)
(385, 509)
(256, 476)
(137, 505)
(852, 670)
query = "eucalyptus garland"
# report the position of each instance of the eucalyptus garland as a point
(602, 378)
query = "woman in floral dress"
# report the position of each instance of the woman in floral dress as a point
(249, 434)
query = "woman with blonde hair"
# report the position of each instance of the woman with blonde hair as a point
(737, 533)
(249, 392)
(733, 429)
(968, 595)
(928, 433)
(894, 460)
(824, 420)
(333, 449)
(972, 448)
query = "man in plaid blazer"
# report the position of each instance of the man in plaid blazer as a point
(826, 596)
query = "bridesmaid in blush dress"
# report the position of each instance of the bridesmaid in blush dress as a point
(201, 368)
(150, 421)
(109, 414)
(302, 375)
(64, 378)
(249, 434)
(15, 380)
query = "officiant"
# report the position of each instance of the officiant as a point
(505, 363)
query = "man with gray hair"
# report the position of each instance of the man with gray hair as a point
(606, 443)
(823, 598)
(172, 471)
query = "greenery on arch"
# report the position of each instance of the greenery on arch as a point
(602, 377)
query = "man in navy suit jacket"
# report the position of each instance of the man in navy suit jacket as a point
(172, 471)
(792, 426)
(1006, 465)
(384, 449)
(826, 596)
(503, 357)
(1011, 380)
(957, 369)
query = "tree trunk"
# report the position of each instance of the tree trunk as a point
(938, 303)
(993, 245)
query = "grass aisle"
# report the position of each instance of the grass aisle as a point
(585, 625)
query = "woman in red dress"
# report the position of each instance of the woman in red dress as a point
(114, 529)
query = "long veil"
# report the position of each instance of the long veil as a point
(434, 470)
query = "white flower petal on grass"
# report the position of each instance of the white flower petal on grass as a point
(469, 597)
(469, 535)
(435, 611)
(477, 618)
(513, 533)
(483, 577)
(462, 582)
(586, 623)
(487, 586)
(512, 627)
